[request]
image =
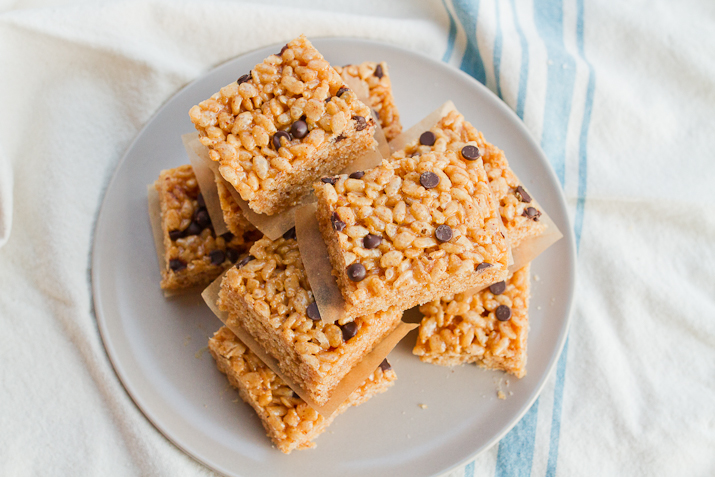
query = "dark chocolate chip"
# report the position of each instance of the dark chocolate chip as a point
(290, 234)
(385, 365)
(371, 241)
(313, 312)
(497, 288)
(232, 254)
(177, 264)
(329, 180)
(193, 228)
(245, 260)
(277, 139)
(244, 78)
(340, 138)
(176, 234)
(202, 218)
(285, 47)
(217, 257)
(350, 329)
(531, 213)
(357, 175)
(427, 138)
(356, 272)
(338, 224)
(471, 153)
(341, 91)
(200, 200)
(327, 100)
(503, 313)
(299, 129)
(228, 236)
(360, 123)
(483, 266)
(522, 194)
(378, 71)
(443, 233)
(429, 180)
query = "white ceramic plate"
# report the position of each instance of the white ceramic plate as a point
(158, 345)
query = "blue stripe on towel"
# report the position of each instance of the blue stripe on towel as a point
(516, 449)
(524, 73)
(468, 12)
(469, 470)
(497, 50)
(452, 34)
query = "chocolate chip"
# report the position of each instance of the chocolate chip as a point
(427, 138)
(299, 129)
(277, 139)
(503, 313)
(378, 71)
(357, 175)
(429, 180)
(327, 100)
(202, 218)
(177, 264)
(193, 229)
(290, 234)
(200, 200)
(245, 260)
(232, 254)
(341, 91)
(522, 194)
(483, 266)
(340, 138)
(283, 50)
(497, 288)
(356, 272)
(217, 257)
(313, 312)
(338, 224)
(244, 78)
(443, 233)
(350, 329)
(385, 365)
(471, 153)
(360, 123)
(531, 213)
(329, 180)
(228, 236)
(176, 234)
(371, 241)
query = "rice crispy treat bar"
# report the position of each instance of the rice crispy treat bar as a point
(286, 123)
(269, 294)
(288, 420)
(410, 231)
(376, 78)
(520, 214)
(488, 328)
(194, 255)
(233, 216)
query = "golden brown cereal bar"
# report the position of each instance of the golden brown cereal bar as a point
(270, 296)
(519, 213)
(411, 230)
(488, 328)
(193, 254)
(286, 123)
(376, 78)
(233, 216)
(288, 420)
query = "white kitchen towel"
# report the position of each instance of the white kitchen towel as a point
(620, 95)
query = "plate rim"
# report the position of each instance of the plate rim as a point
(568, 236)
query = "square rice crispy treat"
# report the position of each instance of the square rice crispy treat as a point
(520, 214)
(288, 420)
(269, 294)
(283, 125)
(193, 254)
(488, 327)
(411, 230)
(376, 78)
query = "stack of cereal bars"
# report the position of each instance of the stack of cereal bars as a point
(427, 227)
